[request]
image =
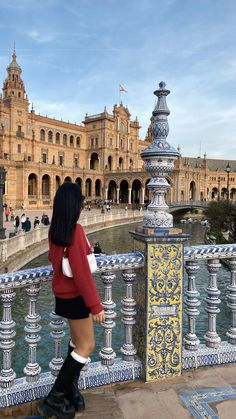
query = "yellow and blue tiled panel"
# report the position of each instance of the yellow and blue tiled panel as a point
(158, 293)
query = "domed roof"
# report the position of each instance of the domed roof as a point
(14, 64)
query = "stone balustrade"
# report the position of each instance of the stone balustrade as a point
(11, 246)
(35, 384)
(213, 351)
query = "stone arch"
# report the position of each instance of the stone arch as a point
(88, 187)
(232, 193)
(121, 163)
(58, 182)
(67, 179)
(110, 163)
(46, 186)
(124, 191)
(192, 191)
(112, 187)
(98, 188)
(94, 161)
(79, 181)
(136, 192)
(32, 185)
(214, 193)
(224, 193)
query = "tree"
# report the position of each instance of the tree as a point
(222, 216)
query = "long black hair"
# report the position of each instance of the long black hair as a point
(67, 206)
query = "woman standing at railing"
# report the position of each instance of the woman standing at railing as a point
(75, 298)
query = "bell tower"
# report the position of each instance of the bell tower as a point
(13, 86)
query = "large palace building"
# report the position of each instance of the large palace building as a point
(102, 154)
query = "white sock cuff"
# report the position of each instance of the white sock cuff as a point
(79, 358)
(72, 345)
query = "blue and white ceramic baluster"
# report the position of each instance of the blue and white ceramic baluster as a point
(32, 368)
(231, 296)
(212, 338)
(57, 325)
(107, 353)
(128, 310)
(192, 303)
(7, 334)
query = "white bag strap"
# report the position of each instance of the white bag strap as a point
(88, 241)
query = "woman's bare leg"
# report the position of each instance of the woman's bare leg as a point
(82, 335)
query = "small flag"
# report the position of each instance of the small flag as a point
(122, 89)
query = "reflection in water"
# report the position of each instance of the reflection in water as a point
(114, 240)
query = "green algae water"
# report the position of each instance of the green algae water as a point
(113, 240)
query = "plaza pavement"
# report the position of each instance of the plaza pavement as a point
(209, 393)
(161, 400)
(8, 225)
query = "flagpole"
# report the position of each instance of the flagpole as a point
(119, 96)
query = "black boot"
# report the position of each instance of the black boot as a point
(76, 397)
(57, 402)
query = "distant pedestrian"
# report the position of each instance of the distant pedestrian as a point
(7, 213)
(23, 220)
(36, 222)
(27, 226)
(46, 221)
(12, 215)
(10, 206)
(17, 223)
(42, 219)
(22, 206)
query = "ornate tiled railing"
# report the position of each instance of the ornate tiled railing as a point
(110, 369)
(36, 384)
(213, 351)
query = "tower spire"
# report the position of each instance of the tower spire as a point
(13, 86)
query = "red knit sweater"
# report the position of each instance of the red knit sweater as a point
(82, 283)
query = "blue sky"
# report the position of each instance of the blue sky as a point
(75, 53)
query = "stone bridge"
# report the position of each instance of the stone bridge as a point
(186, 205)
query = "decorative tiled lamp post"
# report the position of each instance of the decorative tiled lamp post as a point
(158, 291)
(2, 184)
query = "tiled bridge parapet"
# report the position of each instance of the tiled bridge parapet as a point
(112, 369)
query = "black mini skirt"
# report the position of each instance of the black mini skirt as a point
(71, 308)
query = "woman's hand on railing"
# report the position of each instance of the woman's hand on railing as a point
(100, 317)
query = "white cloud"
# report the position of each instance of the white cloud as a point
(41, 37)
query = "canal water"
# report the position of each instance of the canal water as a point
(113, 240)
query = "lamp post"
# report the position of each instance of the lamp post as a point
(218, 188)
(228, 170)
(2, 184)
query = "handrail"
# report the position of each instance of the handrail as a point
(25, 277)
(212, 251)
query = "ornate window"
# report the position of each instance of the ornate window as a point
(64, 139)
(42, 135)
(50, 136)
(71, 141)
(78, 142)
(58, 138)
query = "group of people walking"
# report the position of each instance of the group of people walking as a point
(22, 222)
